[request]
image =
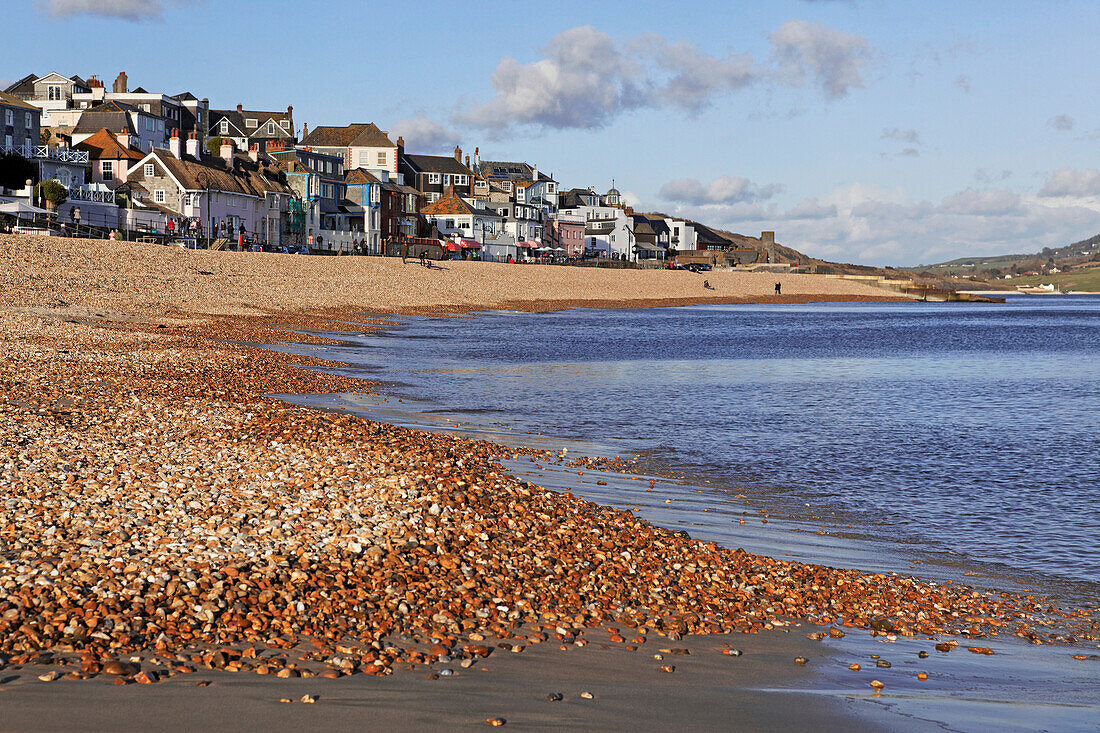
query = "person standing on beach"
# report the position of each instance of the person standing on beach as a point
(404, 250)
(778, 288)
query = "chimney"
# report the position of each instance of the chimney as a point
(174, 143)
(93, 82)
(124, 138)
(458, 154)
(254, 153)
(120, 83)
(240, 109)
(467, 160)
(477, 157)
(535, 172)
(193, 146)
(227, 152)
(305, 131)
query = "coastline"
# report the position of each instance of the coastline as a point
(125, 389)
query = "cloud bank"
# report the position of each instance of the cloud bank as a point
(135, 10)
(875, 225)
(424, 135)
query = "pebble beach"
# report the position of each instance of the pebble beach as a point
(166, 523)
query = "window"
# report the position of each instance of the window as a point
(64, 178)
(27, 120)
(149, 124)
(433, 197)
(223, 127)
(449, 224)
(8, 142)
(382, 158)
(285, 124)
(251, 123)
(160, 125)
(144, 108)
(149, 171)
(53, 92)
(364, 157)
(9, 117)
(433, 178)
(270, 128)
(158, 196)
(461, 180)
(446, 179)
(107, 169)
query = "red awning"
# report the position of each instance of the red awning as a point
(470, 244)
(452, 247)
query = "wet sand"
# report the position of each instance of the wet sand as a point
(156, 503)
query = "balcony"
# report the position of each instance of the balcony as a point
(93, 193)
(65, 155)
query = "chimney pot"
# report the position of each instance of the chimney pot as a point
(458, 154)
(240, 108)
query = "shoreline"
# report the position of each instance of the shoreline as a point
(306, 527)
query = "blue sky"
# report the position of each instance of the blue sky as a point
(875, 132)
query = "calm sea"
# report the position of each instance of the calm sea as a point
(971, 430)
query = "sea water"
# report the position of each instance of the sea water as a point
(972, 429)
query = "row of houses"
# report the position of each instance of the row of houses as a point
(146, 158)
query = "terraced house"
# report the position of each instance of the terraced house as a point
(436, 175)
(266, 131)
(361, 145)
(222, 193)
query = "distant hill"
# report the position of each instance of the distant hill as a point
(1072, 255)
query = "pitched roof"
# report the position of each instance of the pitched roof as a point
(449, 206)
(103, 145)
(360, 175)
(437, 164)
(111, 116)
(13, 101)
(359, 135)
(501, 169)
(24, 86)
(237, 119)
(212, 173)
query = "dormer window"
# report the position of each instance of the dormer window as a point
(53, 92)
(270, 128)
(285, 124)
(251, 123)
(149, 171)
(223, 128)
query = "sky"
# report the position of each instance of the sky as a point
(874, 132)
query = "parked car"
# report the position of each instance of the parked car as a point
(697, 267)
(294, 249)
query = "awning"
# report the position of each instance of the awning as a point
(452, 247)
(526, 244)
(648, 247)
(470, 244)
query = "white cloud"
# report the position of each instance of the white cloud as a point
(1062, 122)
(696, 78)
(424, 135)
(583, 82)
(834, 59)
(722, 190)
(126, 9)
(585, 79)
(1072, 182)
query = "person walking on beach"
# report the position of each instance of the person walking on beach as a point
(404, 250)
(778, 288)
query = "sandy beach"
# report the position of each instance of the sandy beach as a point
(163, 521)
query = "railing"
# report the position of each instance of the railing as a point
(95, 194)
(66, 155)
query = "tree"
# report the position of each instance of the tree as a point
(15, 170)
(214, 146)
(52, 192)
(45, 135)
